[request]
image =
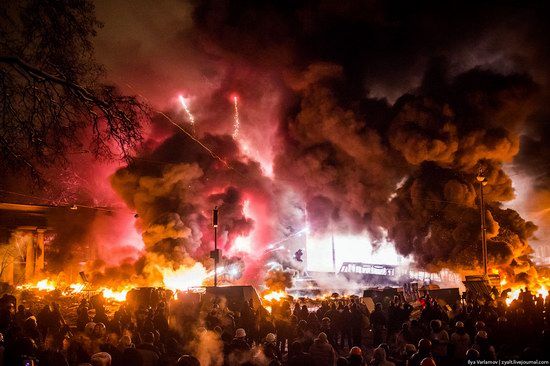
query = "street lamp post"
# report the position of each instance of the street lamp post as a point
(483, 182)
(215, 254)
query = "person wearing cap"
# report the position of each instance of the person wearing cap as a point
(322, 352)
(355, 357)
(481, 344)
(459, 344)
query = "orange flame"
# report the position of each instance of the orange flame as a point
(184, 277)
(274, 295)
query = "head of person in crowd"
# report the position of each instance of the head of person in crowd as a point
(99, 331)
(480, 325)
(460, 327)
(410, 350)
(355, 354)
(424, 345)
(240, 333)
(428, 361)
(101, 359)
(379, 355)
(322, 337)
(435, 325)
(89, 329)
(125, 342)
(149, 338)
(378, 306)
(271, 338)
(472, 354)
(481, 337)
(187, 360)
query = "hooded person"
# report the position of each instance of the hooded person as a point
(322, 352)
(379, 358)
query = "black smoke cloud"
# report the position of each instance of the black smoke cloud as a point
(175, 188)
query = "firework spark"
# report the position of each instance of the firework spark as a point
(236, 123)
(186, 108)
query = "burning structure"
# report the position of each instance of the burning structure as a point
(321, 140)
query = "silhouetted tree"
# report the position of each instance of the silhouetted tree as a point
(52, 99)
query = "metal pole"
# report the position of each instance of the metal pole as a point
(215, 254)
(483, 230)
(216, 259)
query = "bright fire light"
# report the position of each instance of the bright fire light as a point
(184, 277)
(514, 294)
(45, 285)
(115, 295)
(348, 248)
(42, 285)
(275, 295)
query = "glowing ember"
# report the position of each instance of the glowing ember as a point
(275, 295)
(184, 277)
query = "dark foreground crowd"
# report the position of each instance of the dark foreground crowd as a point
(334, 332)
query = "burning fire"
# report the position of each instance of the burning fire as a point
(181, 278)
(514, 294)
(538, 288)
(115, 295)
(42, 285)
(184, 277)
(274, 295)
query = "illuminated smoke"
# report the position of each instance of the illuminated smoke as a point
(279, 280)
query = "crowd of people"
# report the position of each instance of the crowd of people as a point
(339, 331)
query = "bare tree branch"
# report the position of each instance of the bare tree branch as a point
(51, 99)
